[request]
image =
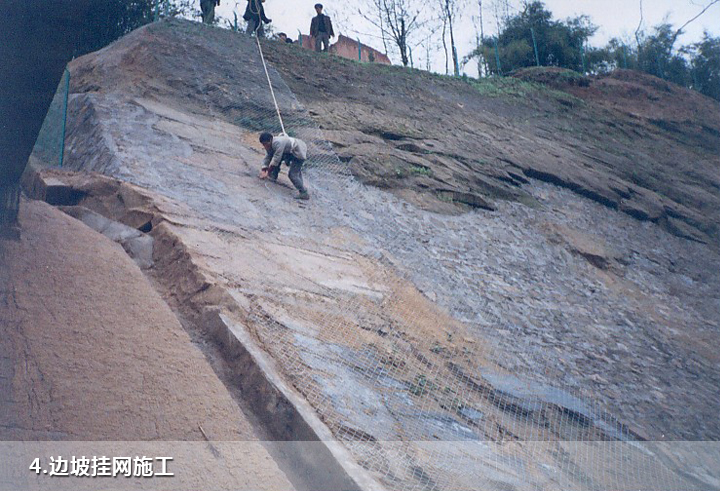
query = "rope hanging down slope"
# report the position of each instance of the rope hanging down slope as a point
(272, 91)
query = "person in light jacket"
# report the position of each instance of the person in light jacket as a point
(292, 151)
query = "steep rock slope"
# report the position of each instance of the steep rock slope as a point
(629, 141)
(551, 319)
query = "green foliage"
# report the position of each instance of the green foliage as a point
(655, 56)
(504, 87)
(423, 171)
(614, 55)
(558, 43)
(705, 66)
(562, 43)
(112, 19)
(695, 66)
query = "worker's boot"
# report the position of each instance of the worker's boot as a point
(303, 195)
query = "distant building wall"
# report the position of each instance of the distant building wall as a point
(307, 42)
(348, 48)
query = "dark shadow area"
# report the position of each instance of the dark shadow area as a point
(37, 39)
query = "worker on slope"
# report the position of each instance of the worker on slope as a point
(208, 10)
(292, 151)
(321, 29)
(255, 17)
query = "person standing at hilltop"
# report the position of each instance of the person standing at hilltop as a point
(321, 29)
(208, 10)
(255, 17)
(292, 151)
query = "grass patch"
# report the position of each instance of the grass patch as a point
(503, 87)
(446, 197)
(422, 171)
(421, 386)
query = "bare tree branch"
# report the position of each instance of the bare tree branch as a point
(479, 40)
(679, 31)
(399, 21)
(639, 27)
(444, 36)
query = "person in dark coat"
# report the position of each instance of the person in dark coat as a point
(255, 17)
(208, 10)
(321, 29)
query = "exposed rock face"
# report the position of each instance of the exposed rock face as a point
(629, 141)
(446, 349)
(137, 245)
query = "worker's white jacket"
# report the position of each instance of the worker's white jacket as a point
(282, 145)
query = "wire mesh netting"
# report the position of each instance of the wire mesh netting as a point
(50, 145)
(48, 151)
(420, 411)
(422, 399)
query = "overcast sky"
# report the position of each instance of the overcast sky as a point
(616, 18)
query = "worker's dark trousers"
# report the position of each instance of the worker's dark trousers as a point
(208, 11)
(255, 26)
(322, 42)
(295, 173)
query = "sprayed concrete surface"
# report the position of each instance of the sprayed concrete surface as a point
(90, 352)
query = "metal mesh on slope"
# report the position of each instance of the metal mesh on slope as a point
(50, 145)
(431, 416)
(423, 400)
